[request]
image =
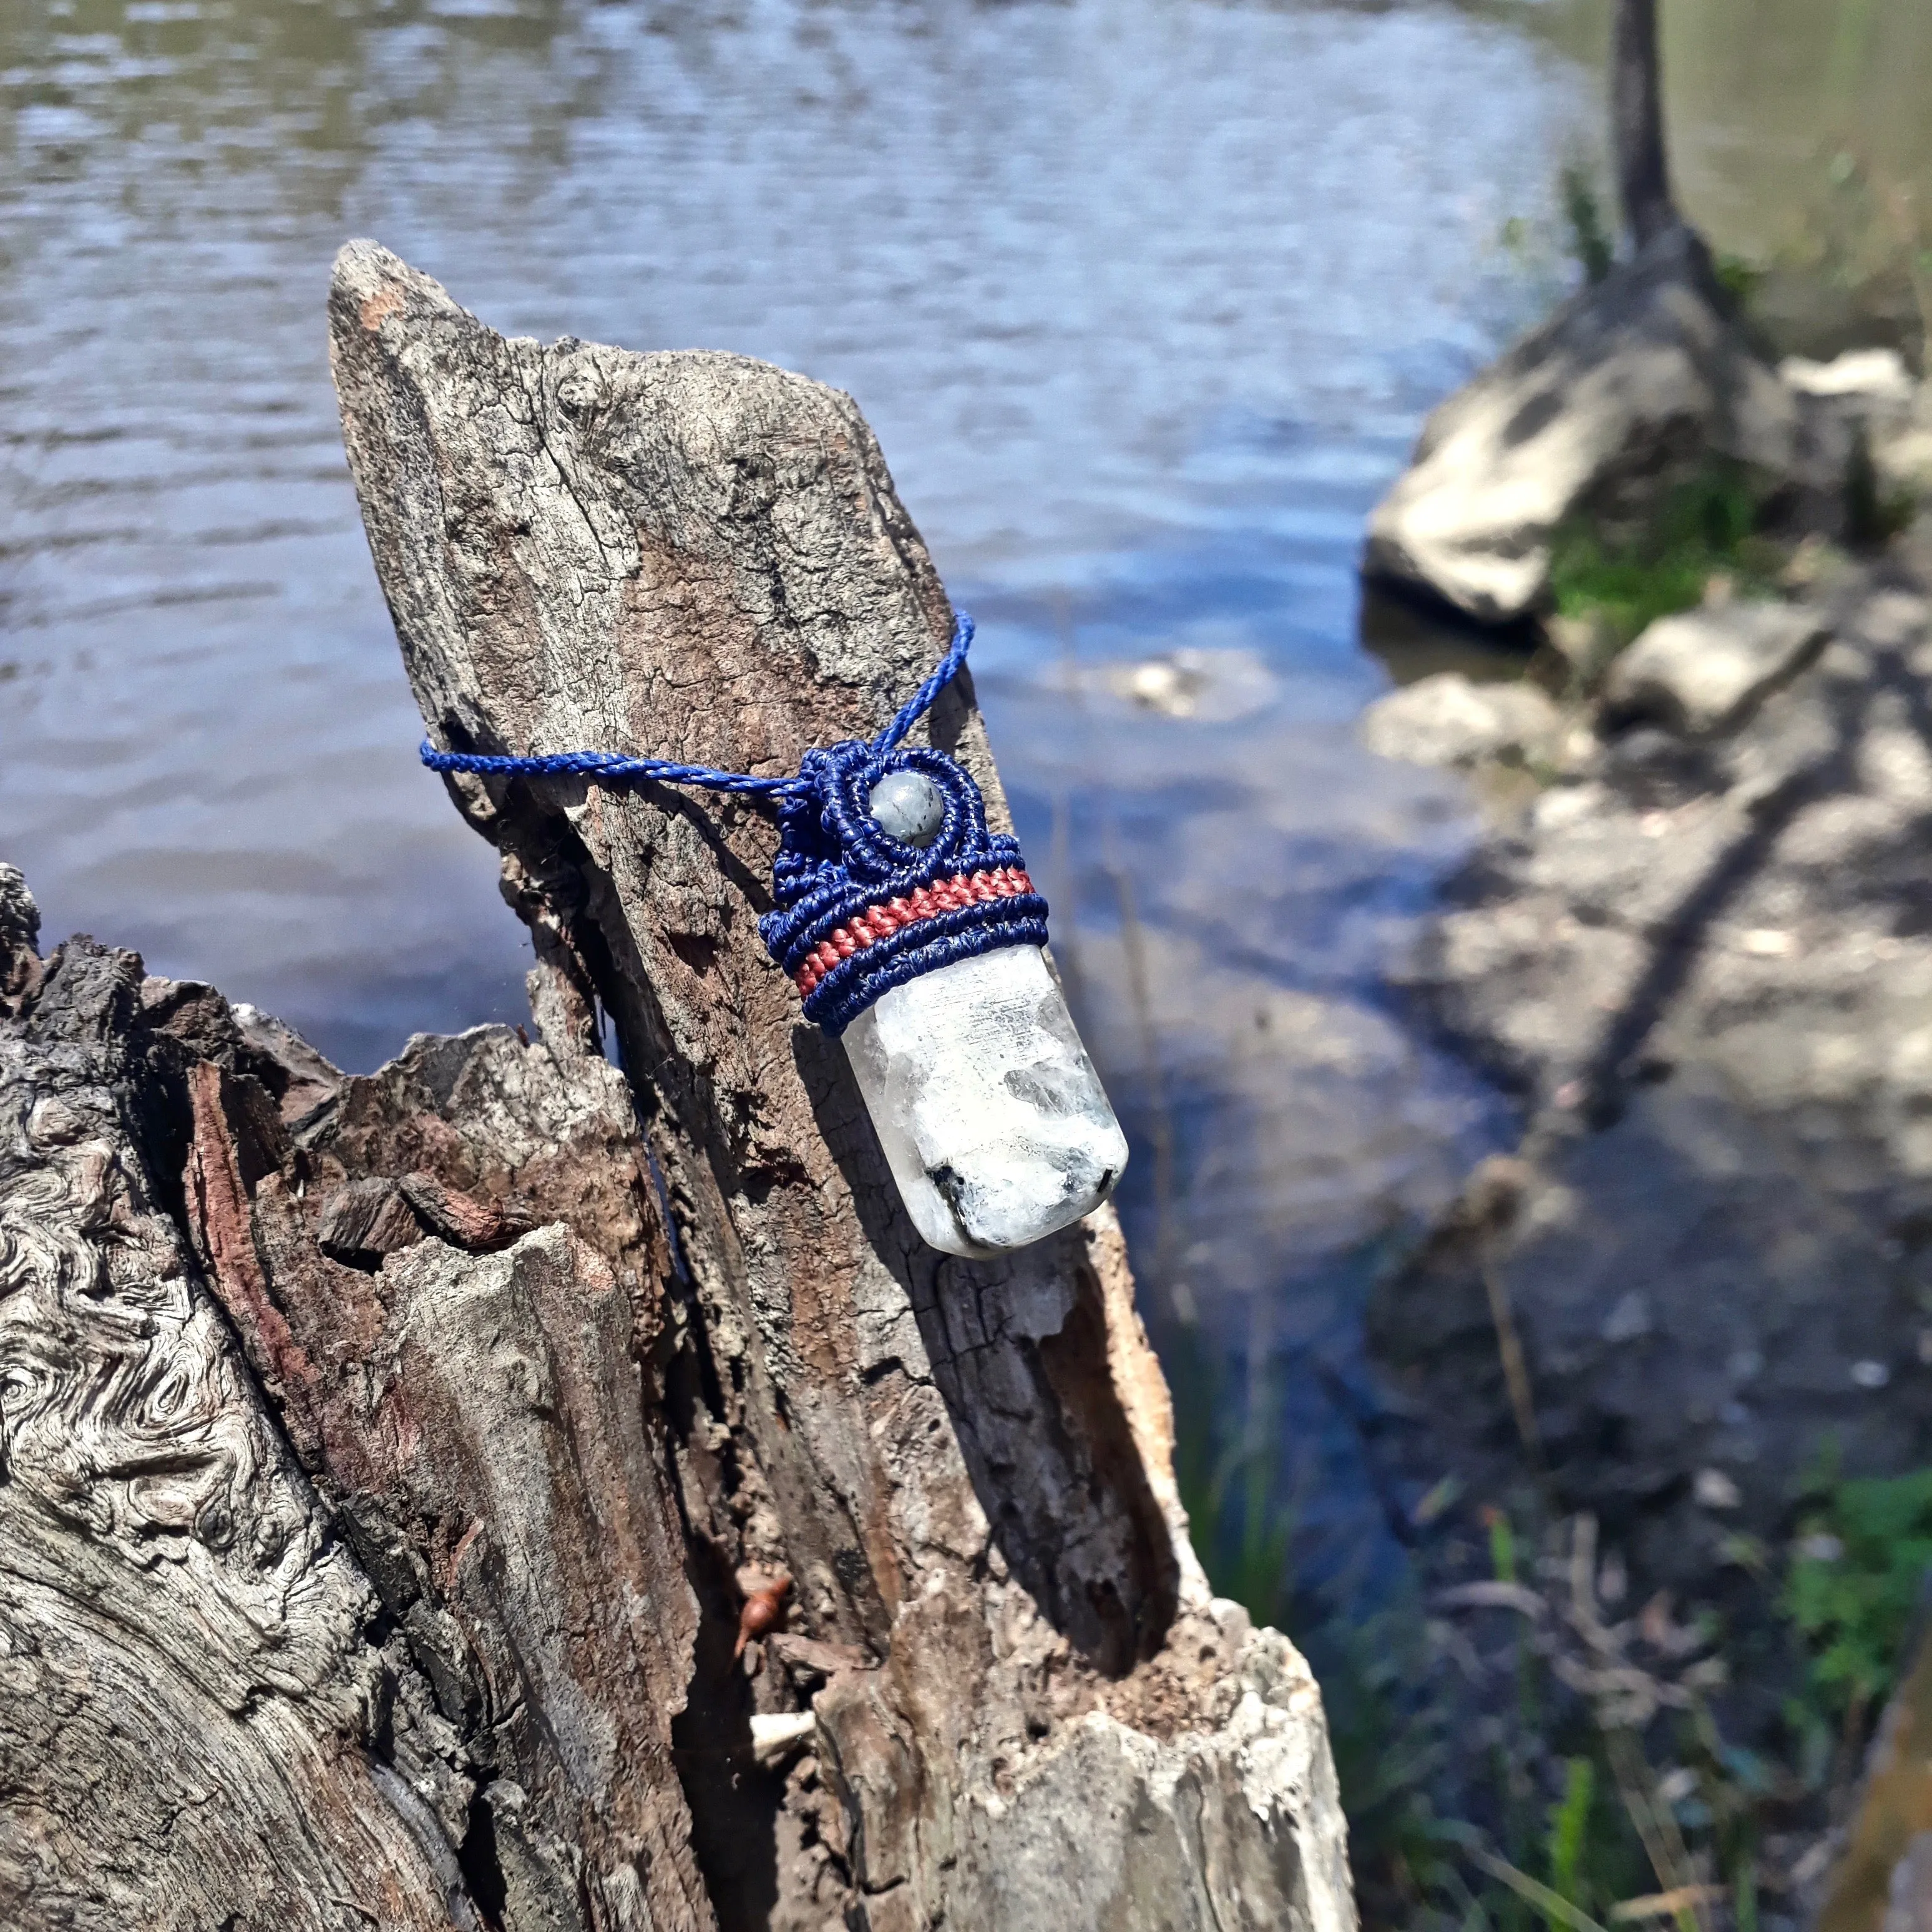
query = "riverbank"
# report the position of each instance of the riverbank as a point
(1657, 1388)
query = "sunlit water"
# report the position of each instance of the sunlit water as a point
(1145, 301)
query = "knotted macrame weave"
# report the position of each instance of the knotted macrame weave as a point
(858, 911)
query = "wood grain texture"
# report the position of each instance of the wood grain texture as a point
(384, 1480)
(202, 1722)
(1027, 1709)
(474, 1405)
(392, 1631)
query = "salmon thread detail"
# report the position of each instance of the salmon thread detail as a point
(923, 902)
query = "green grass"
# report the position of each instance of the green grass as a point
(1740, 278)
(1536, 1839)
(1590, 239)
(1570, 1831)
(1228, 1468)
(1858, 1582)
(1704, 528)
(1513, 1803)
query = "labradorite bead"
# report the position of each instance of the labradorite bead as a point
(907, 806)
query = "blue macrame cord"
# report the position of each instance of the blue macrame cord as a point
(614, 767)
(857, 912)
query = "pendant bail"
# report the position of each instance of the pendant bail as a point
(859, 911)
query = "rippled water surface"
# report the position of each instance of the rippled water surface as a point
(1145, 299)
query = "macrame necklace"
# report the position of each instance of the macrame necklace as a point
(915, 936)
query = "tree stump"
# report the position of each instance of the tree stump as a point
(1637, 142)
(502, 1491)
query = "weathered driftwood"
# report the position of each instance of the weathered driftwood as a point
(965, 1467)
(394, 1522)
(438, 1692)
(191, 1666)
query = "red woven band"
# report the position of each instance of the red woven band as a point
(1006, 882)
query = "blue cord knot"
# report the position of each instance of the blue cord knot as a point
(858, 911)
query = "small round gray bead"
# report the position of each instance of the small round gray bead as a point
(907, 806)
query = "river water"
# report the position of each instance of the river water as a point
(1145, 299)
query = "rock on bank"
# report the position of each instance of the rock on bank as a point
(1631, 386)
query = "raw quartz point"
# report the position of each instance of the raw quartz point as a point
(992, 1119)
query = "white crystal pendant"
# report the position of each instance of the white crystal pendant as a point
(992, 1119)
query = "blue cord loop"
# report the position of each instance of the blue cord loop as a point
(608, 767)
(614, 768)
(858, 912)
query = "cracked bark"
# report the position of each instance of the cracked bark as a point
(391, 1629)
(193, 1668)
(964, 1466)
(526, 1448)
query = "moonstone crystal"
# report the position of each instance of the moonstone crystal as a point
(992, 1118)
(907, 806)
